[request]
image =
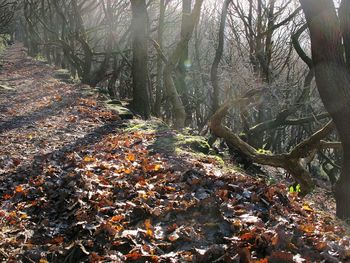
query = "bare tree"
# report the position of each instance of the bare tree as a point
(186, 34)
(7, 11)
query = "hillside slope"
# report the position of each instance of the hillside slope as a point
(78, 184)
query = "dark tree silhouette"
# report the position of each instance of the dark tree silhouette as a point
(333, 81)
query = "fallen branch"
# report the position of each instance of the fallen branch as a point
(292, 162)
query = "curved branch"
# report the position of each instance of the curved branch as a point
(292, 162)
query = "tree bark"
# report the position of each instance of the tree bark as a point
(333, 82)
(159, 88)
(182, 66)
(344, 15)
(141, 102)
(218, 55)
(179, 112)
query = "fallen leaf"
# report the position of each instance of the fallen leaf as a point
(133, 256)
(19, 189)
(89, 159)
(131, 157)
(307, 208)
(247, 236)
(117, 218)
(149, 228)
(279, 257)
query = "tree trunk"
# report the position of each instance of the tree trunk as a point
(218, 55)
(159, 88)
(344, 15)
(179, 112)
(333, 82)
(182, 66)
(141, 102)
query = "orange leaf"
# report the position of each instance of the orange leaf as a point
(128, 171)
(127, 143)
(308, 228)
(117, 218)
(149, 227)
(264, 260)
(89, 159)
(7, 196)
(247, 236)
(131, 157)
(19, 189)
(153, 167)
(58, 97)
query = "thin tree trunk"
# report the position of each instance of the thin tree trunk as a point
(181, 69)
(218, 55)
(159, 88)
(179, 112)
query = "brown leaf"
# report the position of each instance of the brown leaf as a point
(133, 256)
(244, 255)
(57, 240)
(281, 257)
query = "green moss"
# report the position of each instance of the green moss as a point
(165, 144)
(170, 141)
(195, 143)
(123, 112)
(263, 151)
(3, 41)
(151, 126)
(62, 74)
(40, 57)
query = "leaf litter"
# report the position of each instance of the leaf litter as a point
(77, 187)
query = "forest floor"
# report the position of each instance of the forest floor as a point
(77, 184)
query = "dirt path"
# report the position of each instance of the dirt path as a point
(39, 115)
(41, 121)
